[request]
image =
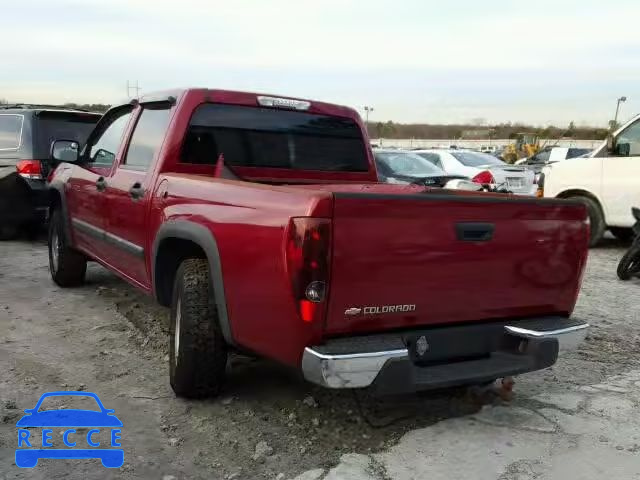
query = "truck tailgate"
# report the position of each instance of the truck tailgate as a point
(401, 261)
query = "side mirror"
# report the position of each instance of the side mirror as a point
(611, 143)
(65, 151)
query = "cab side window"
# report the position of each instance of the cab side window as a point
(628, 142)
(147, 138)
(104, 148)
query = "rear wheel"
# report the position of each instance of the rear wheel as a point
(68, 267)
(622, 234)
(197, 350)
(629, 265)
(596, 219)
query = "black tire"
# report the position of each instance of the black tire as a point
(629, 265)
(622, 234)
(67, 266)
(197, 361)
(8, 232)
(596, 219)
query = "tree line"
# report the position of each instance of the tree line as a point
(391, 129)
(92, 107)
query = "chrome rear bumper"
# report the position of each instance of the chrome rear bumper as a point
(354, 370)
(568, 338)
(359, 369)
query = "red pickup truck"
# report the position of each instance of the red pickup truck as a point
(258, 221)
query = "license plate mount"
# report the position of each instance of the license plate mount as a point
(515, 182)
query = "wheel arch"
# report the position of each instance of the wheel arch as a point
(578, 192)
(190, 240)
(57, 200)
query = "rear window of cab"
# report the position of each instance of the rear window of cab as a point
(274, 138)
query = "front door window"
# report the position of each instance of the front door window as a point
(628, 142)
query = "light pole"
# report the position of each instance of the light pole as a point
(615, 119)
(367, 111)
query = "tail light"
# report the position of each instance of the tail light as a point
(29, 169)
(308, 256)
(484, 178)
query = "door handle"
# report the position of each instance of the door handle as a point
(136, 191)
(101, 184)
(474, 232)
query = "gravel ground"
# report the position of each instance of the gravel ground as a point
(107, 338)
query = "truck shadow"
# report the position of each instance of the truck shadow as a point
(258, 380)
(306, 425)
(257, 388)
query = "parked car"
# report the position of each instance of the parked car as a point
(482, 168)
(606, 182)
(551, 155)
(26, 133)
(260, 222)
(402, 167)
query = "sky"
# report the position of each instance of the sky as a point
(543, 62)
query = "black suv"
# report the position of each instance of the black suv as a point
(26, 133)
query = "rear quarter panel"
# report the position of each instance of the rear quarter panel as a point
(249, 223)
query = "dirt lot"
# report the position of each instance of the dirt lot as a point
(108, 339)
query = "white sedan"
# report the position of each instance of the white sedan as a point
(482, 168)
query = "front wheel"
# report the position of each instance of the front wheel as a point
(629, 265)
(68, 267)
(197, 350)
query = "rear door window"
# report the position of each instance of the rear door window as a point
(10, 131)
(147, 137)
(271, 138)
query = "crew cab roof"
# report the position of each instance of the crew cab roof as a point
(241, 98)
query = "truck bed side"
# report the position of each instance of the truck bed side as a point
(248, 222)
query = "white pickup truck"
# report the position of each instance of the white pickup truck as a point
(607, 181)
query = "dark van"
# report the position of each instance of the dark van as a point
(26, 133)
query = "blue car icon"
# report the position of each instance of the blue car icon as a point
(27, 458)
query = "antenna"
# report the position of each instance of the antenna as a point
(135, 87)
